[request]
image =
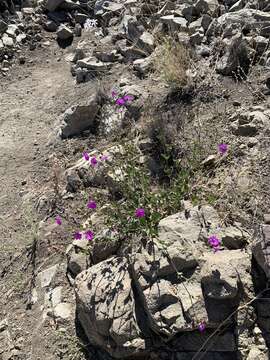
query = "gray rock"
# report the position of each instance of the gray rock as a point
(174, 23)
(240, 4)
(207, 6)
(164, 288)
(146, 42)
(248, 19)
(12, 30)
(80, 18)
(79, 117)
(53, 297)
(21, 38)
(261, 251)
(188, 11)
(77, 261)
(78, 30)
(234, 238)
(73, 182)
(46, 276)
(131, 53)
(105, 307)
(93, 64)
(256, 354)
(7, 41)
(50, 25)
(196, 38)
(236, 58)
(107, 56)
(143, 66)
(249, 123)
(3, 26)
(52, 5)
(63, 311)
(64, 33)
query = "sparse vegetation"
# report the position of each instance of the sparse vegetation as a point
(172, 61)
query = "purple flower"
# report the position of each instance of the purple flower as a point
(222, 148)
(92, 205)
(77, 235)
(114, 94)
(89, 235)
(58, 220)
(128, 98)
(120, 102)
(85, 156)
(93, 161)
(104, 158)
(214, 242)
(201, 327)
(140, 213)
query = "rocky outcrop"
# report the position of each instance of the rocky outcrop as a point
(133, 305)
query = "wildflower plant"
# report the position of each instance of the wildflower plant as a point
(142, 202)
(120, 99)
(90, 24)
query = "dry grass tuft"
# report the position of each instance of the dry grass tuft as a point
(172, 62)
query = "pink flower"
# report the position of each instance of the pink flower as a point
(93, 161)
(85, 156)
(201, 327)
(120, 102)
(92, 205)
(222, 148)
(89, 235)
(214, 242)
(77, 235)
(104, 158)
(140, 213)
(128, 98)
(58, 220)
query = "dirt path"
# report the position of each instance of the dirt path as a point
(27, 113)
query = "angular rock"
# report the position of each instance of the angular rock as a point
(46, 276)
(234, 238)
(221, 284)
(63, 311)
(79, 117)
(107, 56)
(249, 123)
(12, 30)
(64, 33)
(7, 41)
(174, 23)
(80, 18)
(236, 59)
(93, 64)
(261, 250)
(52, 5)
(207, 6)
(245, 19)
(143, 66)
(3, 26)
(106, 307)
(50, 25)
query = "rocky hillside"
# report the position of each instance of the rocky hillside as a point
(135, 204)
